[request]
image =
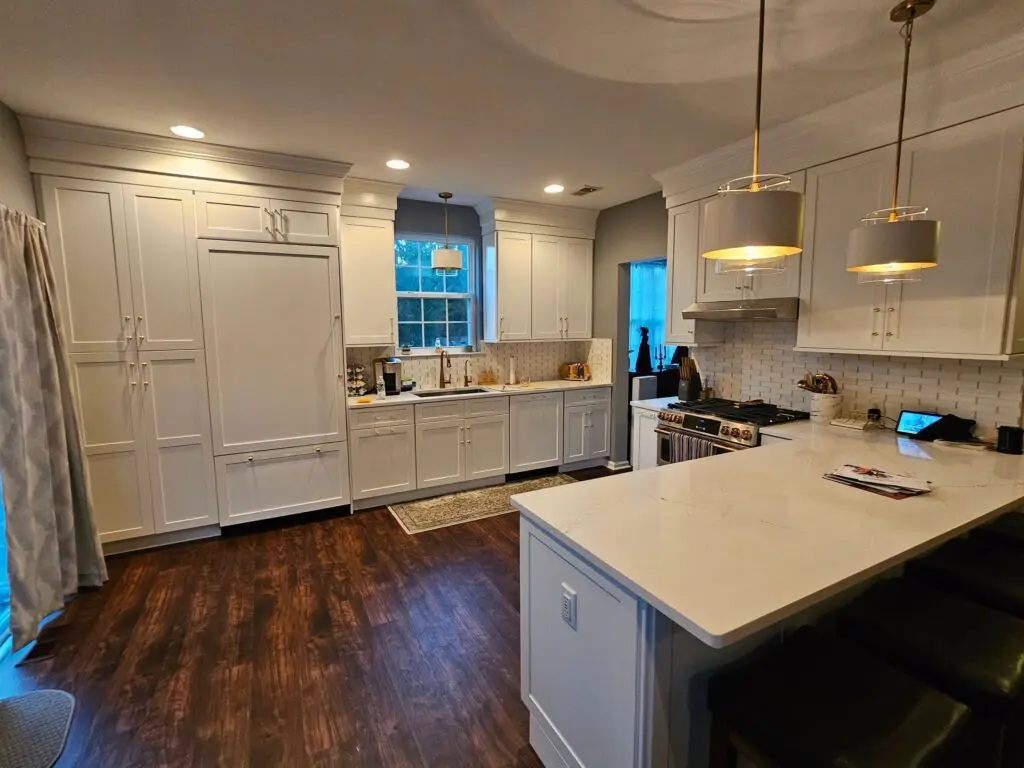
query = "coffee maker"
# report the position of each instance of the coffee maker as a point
(391, 370)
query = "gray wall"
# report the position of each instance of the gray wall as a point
(633, 231)
(15, 181)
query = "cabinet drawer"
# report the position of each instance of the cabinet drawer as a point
(233, 217)
(267, 484)
(440, 411)
(547, 397)
(487, 406)
(600, 394)
(364, 418)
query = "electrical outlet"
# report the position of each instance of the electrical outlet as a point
(569, 605)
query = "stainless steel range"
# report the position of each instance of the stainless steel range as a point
(701, 428)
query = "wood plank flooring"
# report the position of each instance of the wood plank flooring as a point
(338, 642)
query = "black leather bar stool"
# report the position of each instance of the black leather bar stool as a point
(992, 576)
(819, 701)
(1007, 530)
(971, 652)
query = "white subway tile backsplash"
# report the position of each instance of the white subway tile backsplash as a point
(757, 360)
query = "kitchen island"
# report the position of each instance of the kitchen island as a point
(634, 587)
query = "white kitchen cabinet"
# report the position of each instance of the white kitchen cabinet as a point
(586, 431)
(574, 434)
(107, 386)
(513, 287)
(440, 453)
(486, 446)
(273, 346)
(368, 279)
(261, 219)
(535, 431)
(598, 430)
(681, 276)
(172, 386)
(547, 319)
(268, 484)
(643, 452)
(576, 287)
(164, 268)
(88, 242)
(383, 460)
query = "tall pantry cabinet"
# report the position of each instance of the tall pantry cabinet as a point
(126, 270)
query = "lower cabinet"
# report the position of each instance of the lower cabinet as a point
(487, 452)
(536, 431)
(148, 449)
(643, 451)
(287, 481)
(383, 460)
(586, 432)
(450, 452)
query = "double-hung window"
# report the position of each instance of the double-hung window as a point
(434, 309)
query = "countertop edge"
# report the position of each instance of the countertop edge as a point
(408, 398)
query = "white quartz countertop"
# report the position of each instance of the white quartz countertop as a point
(658, 404)
(534, 388)
(729, 545)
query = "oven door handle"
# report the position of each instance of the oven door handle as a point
(666, 432)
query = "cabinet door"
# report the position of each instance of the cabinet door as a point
(785, 284)
(440, 453)
(178, 443)
(273, 353)
(486, 447)
(546, 279)
(574, 434)
(165, 268)
(383, 461)
(535, 431)
(310, 223)
(645, 442)
(681, 274)
(107, 387)
(712, 286)
(576, 286)
(515, 286)
(598, 428)
(368, 264)
(969, 178)
(88, 242)
(836, 312)
(234, 217)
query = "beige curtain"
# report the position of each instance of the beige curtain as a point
(52, 544)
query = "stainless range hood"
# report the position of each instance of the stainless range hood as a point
(752, 309)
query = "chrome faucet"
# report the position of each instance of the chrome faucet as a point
(442, 382)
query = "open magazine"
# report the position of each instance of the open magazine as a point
(879, 481)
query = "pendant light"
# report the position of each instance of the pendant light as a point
(446, 261)
(894, 244)
(755, 222)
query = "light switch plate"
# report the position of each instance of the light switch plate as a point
(569, 605)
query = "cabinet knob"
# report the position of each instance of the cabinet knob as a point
(892, 309)
(888, 333)
(318, 450)
(877, 309)
(250, 459)
(874, 333)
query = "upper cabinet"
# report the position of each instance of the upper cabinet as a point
(508, 270)
(562, 287)
(259, 219)
(368, 281)
(681, 291)
(125, 265)
(969, 176)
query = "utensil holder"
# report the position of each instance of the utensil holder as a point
(824, 407)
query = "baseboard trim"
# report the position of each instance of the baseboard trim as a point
(161, 540)
(618, 466)
(425, 493)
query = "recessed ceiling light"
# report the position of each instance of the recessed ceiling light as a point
(554, 189)
(398, 165)
(187, 132)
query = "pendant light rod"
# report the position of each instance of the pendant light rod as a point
(757, 102)
(908, 37)
(446, 196)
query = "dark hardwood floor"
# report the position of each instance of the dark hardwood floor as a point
(338, 642)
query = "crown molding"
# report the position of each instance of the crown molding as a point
(58, 141)
(970, 86)
(500, 214)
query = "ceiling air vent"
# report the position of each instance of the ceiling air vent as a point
(585, 190)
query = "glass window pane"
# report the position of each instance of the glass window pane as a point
(433, 309)
(458, 309)
(407, 279)
(410, 335)
(431, 283)
(406, 253)
(410, 310)
(458, 334)
(457, 283)
(433, 331)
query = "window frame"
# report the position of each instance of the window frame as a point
(472, 318)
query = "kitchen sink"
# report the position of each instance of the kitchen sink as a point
(451, 392)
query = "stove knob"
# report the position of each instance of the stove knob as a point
(725, 431)
(735, 432)
(747, 434)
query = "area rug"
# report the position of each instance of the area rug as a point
(455, 508)
(34, 728)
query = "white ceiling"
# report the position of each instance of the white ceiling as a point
(483, 97)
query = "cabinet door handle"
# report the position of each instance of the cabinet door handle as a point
(874, 333)
(273, 223)
(138, 329)
(876, 309)
(131, 375)
(145, 382)
(318, 450)
(281, 230)
(469, 436)
(391, 323)
(888, 333)
(128, 336)
(501, 328)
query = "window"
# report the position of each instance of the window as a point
(431, 307)
(646, 303)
